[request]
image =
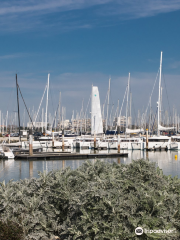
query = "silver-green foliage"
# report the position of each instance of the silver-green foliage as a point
(96, 201)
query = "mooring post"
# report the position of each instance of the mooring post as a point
(30, 142)
(30, 169)
(146, 139)
(53, 138)
(118, 139)
(63, 164)
(94, 141)
(9, 136)
(63, 140)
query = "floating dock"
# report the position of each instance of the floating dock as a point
(67, 155)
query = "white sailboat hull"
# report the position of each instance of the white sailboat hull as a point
(158, 143)
(85, 145)
(137, 146)
(175, 146)
(103, 145)
(113, 145)
(36, 144)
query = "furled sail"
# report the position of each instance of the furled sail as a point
(161, 128)
(50, 133)
(96, 118)
(134, 130)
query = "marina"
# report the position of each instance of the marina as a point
(94, 134)
(89, 120)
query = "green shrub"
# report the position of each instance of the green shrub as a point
(95, 201)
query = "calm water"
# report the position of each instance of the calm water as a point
(16, 170)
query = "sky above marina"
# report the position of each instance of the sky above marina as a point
(83, 42)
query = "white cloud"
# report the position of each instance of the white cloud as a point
(24, 15)
(22, 6)
(129, 9)
(15, 55)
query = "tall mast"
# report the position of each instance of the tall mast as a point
(81, 116)
(117, 114)
(130, 110)
(18, 107)
(59, 111)
(127, 102)
(159, 100)
(0, 122)
(63, 118)
(47, 100)
(73, 121)
(42, 119)
(108, 103)
(150, 115)
(24, 120)
(160, 110)
(6, 120)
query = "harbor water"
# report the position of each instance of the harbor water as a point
(15, 170)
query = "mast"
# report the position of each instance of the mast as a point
(176, 121)
(117, 114)
(42, 119)
(6, 121)
(127, 102)
(62, 118)
(81, 117)
(59, 111)
(108, 103)
(159, 100)
(73, 121)
(130, 110)
(24, 120)
(29, 119)
(18, 108)
(150, 116)
(160, 119)
(47, 101)
(0, 122)
(55, 121)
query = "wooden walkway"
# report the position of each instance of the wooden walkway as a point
(67, 155)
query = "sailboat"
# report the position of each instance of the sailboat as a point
(127, 142)
(6, 152)
(96, 124)
(46, 141)
(159, 142)
(175, 143)
(134, 143)
(128, 131)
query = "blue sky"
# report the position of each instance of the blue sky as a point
(83, 42)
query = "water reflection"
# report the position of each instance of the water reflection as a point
(11, 169)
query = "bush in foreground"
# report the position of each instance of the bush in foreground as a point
(96, 201)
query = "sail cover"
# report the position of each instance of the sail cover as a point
(161, 128)
(96, 118)
(134, 130)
